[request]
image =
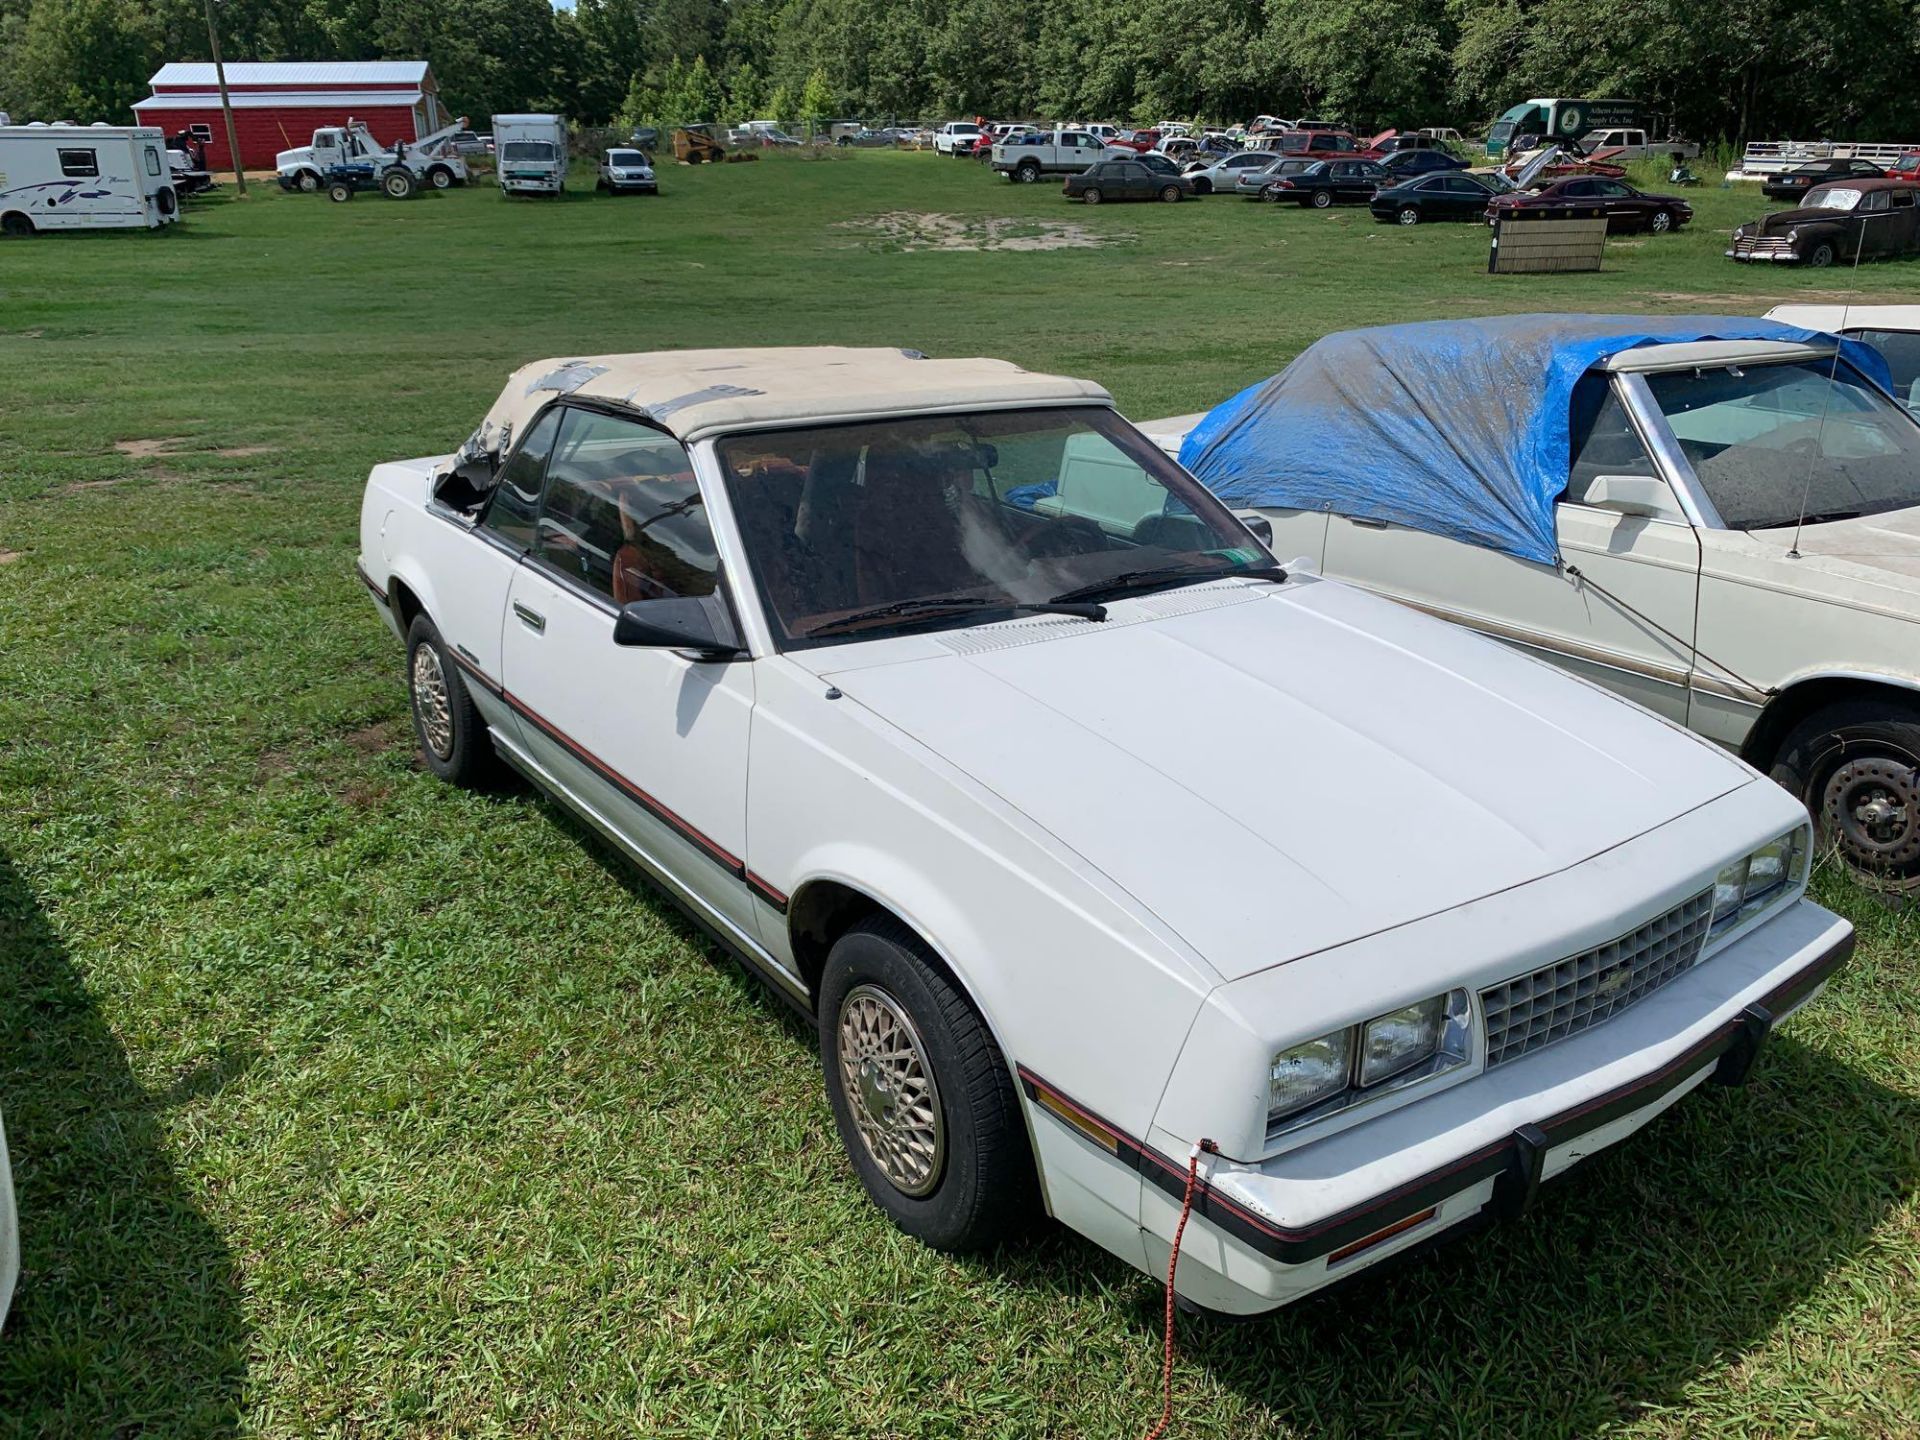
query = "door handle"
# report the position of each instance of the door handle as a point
(532, 619)
(1365, 521)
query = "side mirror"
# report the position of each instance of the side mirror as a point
(1631, 495)
(1261, 527)
(698, 624)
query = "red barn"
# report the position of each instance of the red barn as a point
(278, 106)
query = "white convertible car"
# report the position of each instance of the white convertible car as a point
(1096, 844)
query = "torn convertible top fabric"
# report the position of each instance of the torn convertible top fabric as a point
(1456, 427)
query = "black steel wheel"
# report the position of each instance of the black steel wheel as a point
(1856, 765)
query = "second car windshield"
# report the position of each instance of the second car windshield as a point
(529, 150)
(1772, 443)
(1833, 197)
(626, 158)
(859, 530)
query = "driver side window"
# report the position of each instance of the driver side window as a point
(516, 497)
(1603, 440)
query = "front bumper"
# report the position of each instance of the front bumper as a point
(1267, 1233)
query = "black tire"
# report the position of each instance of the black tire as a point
(1091, 195)
(440, 177)
(1271, 194)
(307, 181)
(1822, 255)
(1321, 199)
(1027, 172)
(398, 183)
(1408, 215)
(165, 201)
(15, 225)
(1202, 186)
(1170, 194)
(980, 1187)
(1856, 766)
(1661, 222)
(340, 192)
(465, 755)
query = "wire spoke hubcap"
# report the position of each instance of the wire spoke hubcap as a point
(1873, 806)
(430, 701)
(890, 1090)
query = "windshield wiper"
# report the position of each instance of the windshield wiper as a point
(1131, 582)
(955, 604)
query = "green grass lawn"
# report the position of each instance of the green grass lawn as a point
(345, 1103)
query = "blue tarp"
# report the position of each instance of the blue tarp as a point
(1457, 427)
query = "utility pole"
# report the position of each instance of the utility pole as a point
(226, 105)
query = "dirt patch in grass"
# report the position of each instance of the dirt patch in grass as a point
(7, 557)
(911, 230)
(149, 448)
(375, 739)
(240, 452)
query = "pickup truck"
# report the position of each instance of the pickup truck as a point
(1636, 145)
(1047, 152)
(956, 138)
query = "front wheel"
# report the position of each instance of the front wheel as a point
(1170, 194)
(440, 177)
(1203, 186)
(15, 225)
(1662, 222)
(307, 181)
(1856, 765)
(1091, 195)
(453, 738)
(1822, 255)
(921, 1094)
(1322, 199)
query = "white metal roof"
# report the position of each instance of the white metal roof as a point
(1833, 318)
(294, 72)
(703, 392)
(348, 100)
(1712, 352)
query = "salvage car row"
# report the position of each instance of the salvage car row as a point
(891, 671)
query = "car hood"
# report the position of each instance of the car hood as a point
(1275, 771)
(1881, 551)
(1783, 220)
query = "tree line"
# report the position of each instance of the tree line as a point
(1717, 69)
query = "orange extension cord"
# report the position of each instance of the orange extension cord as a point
(1173, 1263)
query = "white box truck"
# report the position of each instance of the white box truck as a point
(530, 154)
(84, 177)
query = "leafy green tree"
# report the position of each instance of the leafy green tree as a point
(746, 91)
(816, 99)
(706, 100)
(780, 105)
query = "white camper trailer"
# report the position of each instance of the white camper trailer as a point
(530, 154)
(84, 177)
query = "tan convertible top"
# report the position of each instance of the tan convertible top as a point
(695, 393)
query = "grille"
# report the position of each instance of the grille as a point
(1573, 994)
(1761, 245)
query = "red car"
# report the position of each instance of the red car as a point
(1141, 140)
(1626, 208)
(1905, 167)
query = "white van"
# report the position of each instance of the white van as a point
(530, 154)
(84, 177)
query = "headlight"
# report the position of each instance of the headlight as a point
(1350, 1066)
(1763, 879)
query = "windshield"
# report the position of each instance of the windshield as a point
(1901, 350)
(528, 150)
(625, 158)
(1832, 197)
(944, 521)
(1773, 442)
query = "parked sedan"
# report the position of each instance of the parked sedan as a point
(1261, 184)
(1838, 224)
(1127, 178)
(1448, 195)
(1731, 537)
(627, 172)
(1331, 182)
(1211, 175)
(1794, 183)
(915, 682)
(1405, 164)
(865, 139)
(1627, 209)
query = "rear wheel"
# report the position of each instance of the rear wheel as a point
(1409, 215)
(1856, 764)
(1091, 195)
(339, 192)
(453, 738)
(921, 1094)
(397, 184)
(1322, 199)
(440, 177)
(1028, 171)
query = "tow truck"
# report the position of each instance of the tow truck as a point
(431, 160)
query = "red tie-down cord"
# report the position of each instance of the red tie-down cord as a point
(1173, 1263)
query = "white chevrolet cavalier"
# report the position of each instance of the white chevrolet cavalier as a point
(962, 714)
